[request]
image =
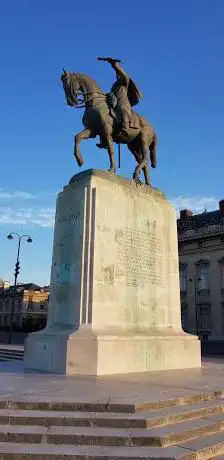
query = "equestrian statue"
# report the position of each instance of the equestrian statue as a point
(111, 117)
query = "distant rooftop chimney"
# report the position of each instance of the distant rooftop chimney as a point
(185, 213)
(221, 208)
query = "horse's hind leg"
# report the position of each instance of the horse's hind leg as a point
(137, 152)
(152, 149)
(111, 155)
(85, 134)
(109, 145)
(144, 158)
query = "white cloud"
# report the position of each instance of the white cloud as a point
(196, 203)
(10, 195)
(37, 216)
(16, 212)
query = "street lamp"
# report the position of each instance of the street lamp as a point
(17, 268)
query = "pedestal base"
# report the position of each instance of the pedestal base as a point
(86, 353)
(115, 297)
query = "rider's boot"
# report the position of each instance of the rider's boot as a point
(102, 145)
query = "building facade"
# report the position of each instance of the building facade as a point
(30, 302)
(4, 284)
(201, 265)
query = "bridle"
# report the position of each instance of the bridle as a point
(82, 102)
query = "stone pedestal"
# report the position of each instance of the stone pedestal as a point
(114, 301)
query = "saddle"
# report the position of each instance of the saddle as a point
(111, 100)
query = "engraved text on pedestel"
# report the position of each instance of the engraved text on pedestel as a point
(139, 256)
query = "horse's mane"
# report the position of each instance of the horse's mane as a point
(87, 79)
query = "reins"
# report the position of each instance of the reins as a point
(81, 103)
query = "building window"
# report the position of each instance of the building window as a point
(202, 276)
(183, 277)
(30, 304)
(180, 247)
(17, 319)
(204, 318)
(42, 305)
(221, 269)
(184, 316)
(17, 305)
(222, 313)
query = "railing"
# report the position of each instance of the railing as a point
(191, 232)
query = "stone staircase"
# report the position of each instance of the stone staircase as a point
(11, 353)
(187, 428)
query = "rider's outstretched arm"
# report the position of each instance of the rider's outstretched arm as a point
(120, 72)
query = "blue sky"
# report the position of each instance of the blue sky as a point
(172, 49)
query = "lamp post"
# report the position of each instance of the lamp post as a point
(194, 280)
(17, 268)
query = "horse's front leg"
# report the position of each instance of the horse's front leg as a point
(85, 134)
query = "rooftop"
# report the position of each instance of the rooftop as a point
(21, 287)
(190, 225)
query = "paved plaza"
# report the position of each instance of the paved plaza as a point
(133, 389)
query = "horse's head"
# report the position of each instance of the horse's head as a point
(71, 88)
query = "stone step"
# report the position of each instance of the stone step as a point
(157, 437)
(13, 451)
(15, 351)
(191, 399)
(11, 355)
(201, 449)
(206, 446)
(184, 431)
(10, 358)
(114, 420)
(48, 404)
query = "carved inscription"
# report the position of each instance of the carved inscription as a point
(139, 256)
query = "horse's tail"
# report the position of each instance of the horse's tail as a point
(152, 150)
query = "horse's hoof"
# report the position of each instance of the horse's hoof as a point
(80, 161)
(137, 181)
(112, 170)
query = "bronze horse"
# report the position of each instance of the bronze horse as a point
(97, 120)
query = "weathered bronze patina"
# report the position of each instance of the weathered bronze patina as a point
(111, 117)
